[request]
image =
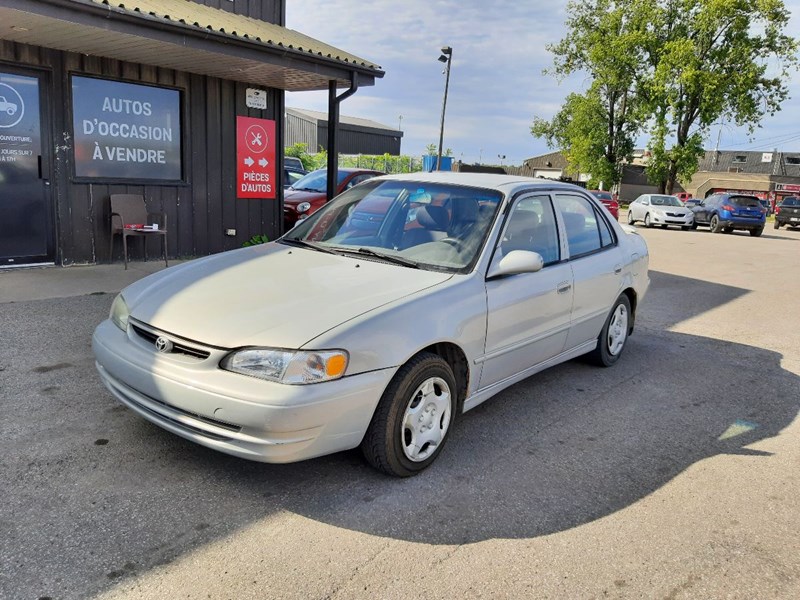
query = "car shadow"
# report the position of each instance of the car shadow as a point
(564, 448)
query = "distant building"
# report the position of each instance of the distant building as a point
(768, 175)
(356, 136)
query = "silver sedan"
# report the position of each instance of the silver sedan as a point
(377, 321)
(659, 209)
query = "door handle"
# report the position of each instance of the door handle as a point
(617, 269)
(564, 287)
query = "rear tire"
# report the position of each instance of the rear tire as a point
(757, 232)
(663, 227)
(631, 220)
(777, 224)
(413, 418)
(714, 224)
(612, 339)
(685, 227)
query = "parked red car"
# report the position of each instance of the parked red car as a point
(309, 193)
(609, 200)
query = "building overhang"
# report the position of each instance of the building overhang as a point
(185, 36)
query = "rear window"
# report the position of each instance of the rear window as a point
(745, 201)
(602, 195)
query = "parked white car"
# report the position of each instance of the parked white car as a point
(378, 320)
(660, 209)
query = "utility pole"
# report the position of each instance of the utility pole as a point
(445, 57)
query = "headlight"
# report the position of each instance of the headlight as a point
(119, 313)
(303, 207)
(287, 366)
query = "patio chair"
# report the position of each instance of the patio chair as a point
(128, 216)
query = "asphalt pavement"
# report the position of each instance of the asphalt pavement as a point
(673, 474)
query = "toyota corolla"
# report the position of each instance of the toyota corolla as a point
(376, 332)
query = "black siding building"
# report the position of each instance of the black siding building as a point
(98, 97)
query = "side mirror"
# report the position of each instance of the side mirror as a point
(515, 262)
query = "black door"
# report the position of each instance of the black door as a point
(26, 216)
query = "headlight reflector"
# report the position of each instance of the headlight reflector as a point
(119, 313)
(303, 207)
(295, 367)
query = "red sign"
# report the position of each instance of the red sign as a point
(255, 158)
(787, 187)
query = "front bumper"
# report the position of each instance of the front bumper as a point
(236, 414)
(667, 219)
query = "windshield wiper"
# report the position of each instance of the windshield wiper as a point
(308, 190)
(304, 244)
(398, 260)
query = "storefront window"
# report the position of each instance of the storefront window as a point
(125, 130)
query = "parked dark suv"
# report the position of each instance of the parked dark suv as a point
(723, 213)
(788, 213)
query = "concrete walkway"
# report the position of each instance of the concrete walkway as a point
(41, 283)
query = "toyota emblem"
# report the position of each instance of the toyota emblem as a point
(164, 345)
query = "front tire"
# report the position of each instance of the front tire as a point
(413, 418)
(647, 222)
(714, 224)
(757, 232)
(612, 339)
(777, 224)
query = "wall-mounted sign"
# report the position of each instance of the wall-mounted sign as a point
(766, 157)
(125, 130)
(787, 187)
(255, 98)
(255, 158)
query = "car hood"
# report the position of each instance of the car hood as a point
(269, 295)
(298, 196)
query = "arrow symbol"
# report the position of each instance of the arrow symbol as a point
(249, 161)
(263, 162)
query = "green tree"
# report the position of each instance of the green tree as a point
(712, 59)
(596, 129)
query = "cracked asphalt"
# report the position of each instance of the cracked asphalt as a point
(673, 474)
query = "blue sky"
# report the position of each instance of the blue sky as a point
(496, 80)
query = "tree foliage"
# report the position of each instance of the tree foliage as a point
(711, 60)
(596, 129)
(670, 67)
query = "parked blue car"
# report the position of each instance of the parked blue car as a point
(724, 213)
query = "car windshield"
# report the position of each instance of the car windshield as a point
(790, 202)
(430, 226)
(749, 201)
(665, 201)
(317, 181)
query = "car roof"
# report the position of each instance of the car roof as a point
(504, 183)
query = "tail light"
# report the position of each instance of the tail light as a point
(777, 209)
(727, 207)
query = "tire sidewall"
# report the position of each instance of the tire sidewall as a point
(395, 401)
(605, 355)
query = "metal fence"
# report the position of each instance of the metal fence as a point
(385, 163)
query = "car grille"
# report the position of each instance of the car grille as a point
(179, 347)
(676, 215)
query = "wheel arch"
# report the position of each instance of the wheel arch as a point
(454, 356)
(632, 299)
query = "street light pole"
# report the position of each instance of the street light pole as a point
(445, 57)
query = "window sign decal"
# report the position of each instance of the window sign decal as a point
(125, 130)
(20, 143)
(255, 158)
